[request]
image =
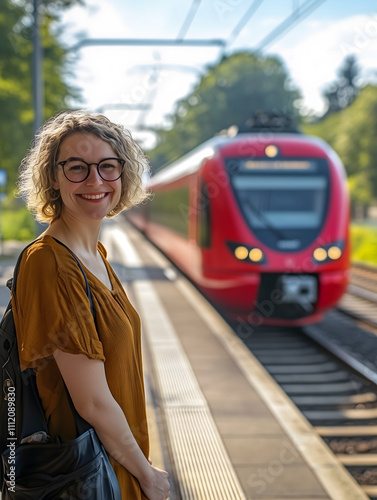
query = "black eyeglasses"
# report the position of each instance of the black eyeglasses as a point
(78, 170)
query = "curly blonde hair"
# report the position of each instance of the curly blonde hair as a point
(38, 168)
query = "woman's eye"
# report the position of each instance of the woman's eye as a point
(77, 168)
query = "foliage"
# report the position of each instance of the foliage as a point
(352, 133)
(13, 94)
(228, 94)
(16, 119)
(364, 244)
(343, 91)
(17, 224)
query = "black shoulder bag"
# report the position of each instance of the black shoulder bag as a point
(78, 469)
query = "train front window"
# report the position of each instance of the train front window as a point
(285, 210)
(282, 203)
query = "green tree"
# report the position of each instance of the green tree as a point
(344, 90)
(352, 133)
(230, 93)
(12, 92)
(16, 116)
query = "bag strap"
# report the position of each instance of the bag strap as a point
(12, 282)
(87, 288)
(81, 424)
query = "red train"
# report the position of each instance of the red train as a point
(259, 222)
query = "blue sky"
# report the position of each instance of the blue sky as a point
(312, 49)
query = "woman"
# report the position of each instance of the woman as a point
(81, 169)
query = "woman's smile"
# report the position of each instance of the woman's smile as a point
(93, 196)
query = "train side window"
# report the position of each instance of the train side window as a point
(170, 209)
(204, 218)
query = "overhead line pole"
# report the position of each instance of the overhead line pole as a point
(37, 76)
(37, 83)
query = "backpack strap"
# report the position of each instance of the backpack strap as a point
(35, 409)
(87, 288)
(81, 424)
(11, 283)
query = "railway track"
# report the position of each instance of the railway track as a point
(360, 301)
(340, 402)
(329, 370)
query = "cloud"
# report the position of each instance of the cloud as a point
(316, 51)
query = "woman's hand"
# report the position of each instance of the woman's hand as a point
(157, 486)
(87, 384)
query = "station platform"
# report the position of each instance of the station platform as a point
(218, 422)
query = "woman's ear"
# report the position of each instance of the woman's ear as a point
(55, 183)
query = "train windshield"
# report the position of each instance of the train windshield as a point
(285, 208)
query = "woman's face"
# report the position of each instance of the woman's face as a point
(94, 197)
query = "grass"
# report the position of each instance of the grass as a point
(364, 244)
(17, 224)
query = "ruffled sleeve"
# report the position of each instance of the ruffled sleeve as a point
(51, 308)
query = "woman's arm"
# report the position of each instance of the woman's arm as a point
(87, 385)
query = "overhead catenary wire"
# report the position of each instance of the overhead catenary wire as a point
(91, 42)
(151, 90)
(123, 105)
(182, 33)
(299, 13)
(243, 21)
(189, 18)
(168, 67)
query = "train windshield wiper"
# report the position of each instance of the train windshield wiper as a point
(264, 219)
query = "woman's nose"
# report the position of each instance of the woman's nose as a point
(93, 178)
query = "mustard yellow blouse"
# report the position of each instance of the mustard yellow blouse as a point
(52, 312)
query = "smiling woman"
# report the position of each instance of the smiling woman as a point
(39, 168)
(85, 191)
(82, 169)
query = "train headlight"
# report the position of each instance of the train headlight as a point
(241, 253)
(328, 253)
(334, 252)
(246, 253)
(255, 255)
(271, 151)
(320, 254)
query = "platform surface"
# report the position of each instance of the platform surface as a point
(218, 422)
(218, 408)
